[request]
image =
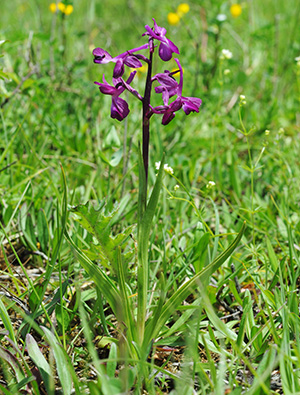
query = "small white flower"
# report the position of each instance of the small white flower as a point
(176, 187)
(227, 71)
(267, 132)
(157, 165)
(297, 59)
(221, 17)
(225, 54)
(168, 169)
(210, 184)
(242, 100)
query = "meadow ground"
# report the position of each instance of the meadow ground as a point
(186, 283)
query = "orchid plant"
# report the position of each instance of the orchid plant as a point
(168, 86)
(143, 325)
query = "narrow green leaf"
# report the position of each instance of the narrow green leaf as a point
(178, 297)
(102, 281)
(43, 231)
(7, 322)
(272, 256)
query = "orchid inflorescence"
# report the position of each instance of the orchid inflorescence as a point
(168, 86)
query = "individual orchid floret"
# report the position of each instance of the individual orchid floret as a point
(119, 107)
(127, 58)
(188, 104)
(168, 85)
(166, 47)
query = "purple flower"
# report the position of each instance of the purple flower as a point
(168, 89)
(127, 58)
(166, 47)
(168, 85)
(119, 107)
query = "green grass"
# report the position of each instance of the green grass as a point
(69, 269)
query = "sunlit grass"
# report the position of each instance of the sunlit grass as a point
(236, 161)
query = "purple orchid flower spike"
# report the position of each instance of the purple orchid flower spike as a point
(119, 107)
(167, 47)
(127, 58)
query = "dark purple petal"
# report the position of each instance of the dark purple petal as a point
(176, 104)
(133, 62)
(167, 118)
(105, 88)
(101, 56)
(159, 109)
(165, 53)
(119, 68)
(119, 108)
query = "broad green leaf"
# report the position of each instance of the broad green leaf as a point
(63, 317)
(63, 364)
(98, 225)
(116, 158)
(111, 364)
(7, 356)
(35, 296)
(40, 362)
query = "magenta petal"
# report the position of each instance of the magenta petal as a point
(191, 104)
(119, 108)
(132, 61)
(131, 77)
(176, 104)
(172, 46)
(101, 56)
(118, 69)
(165, 53)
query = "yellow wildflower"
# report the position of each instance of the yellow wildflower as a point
(142, 70)
(182, 9)
(69, 9)
(235, 10)
(52, 7)
(61, 6)
(176, 69)
(173, 18)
